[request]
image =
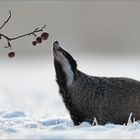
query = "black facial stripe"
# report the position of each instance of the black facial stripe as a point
(70, 59)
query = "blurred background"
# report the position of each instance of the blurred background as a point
(103, 36)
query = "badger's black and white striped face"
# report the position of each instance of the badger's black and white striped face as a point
(64, 63)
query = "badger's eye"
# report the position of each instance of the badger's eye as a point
(60, 49)
(64, 53)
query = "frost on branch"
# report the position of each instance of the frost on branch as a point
(44, 36)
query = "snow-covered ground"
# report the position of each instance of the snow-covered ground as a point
(30, 105)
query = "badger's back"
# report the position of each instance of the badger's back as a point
(109, 100)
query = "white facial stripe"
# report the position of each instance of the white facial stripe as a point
(66, 67)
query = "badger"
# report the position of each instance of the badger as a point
(108, 99)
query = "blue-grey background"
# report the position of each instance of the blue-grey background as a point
(87, 26)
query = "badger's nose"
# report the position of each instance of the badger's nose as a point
(55, 42)
(56, 45)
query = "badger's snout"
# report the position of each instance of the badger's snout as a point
(55, 42)
(56, 45)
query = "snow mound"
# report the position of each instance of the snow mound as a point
(56, 121)
(31, 125)
(10, 130)
(13, 114)
(85, 124)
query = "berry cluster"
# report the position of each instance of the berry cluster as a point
(44, 36)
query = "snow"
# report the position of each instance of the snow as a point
(62, 128)
(13, 114)
(31, 107)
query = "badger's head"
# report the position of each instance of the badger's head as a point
(65, 65)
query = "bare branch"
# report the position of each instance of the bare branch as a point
(20, 36)
(31, 33)
(43, 27)
(11, 54)
(6, 20)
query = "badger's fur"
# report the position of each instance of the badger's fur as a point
(109, 100)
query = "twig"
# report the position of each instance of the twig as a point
(6, 20)
(31, 33)
(129, 119)
(20, 36)
(95, 122)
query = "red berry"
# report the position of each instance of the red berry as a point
(44, 35)
(34, 43)
(11, 54)
(39, 39)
